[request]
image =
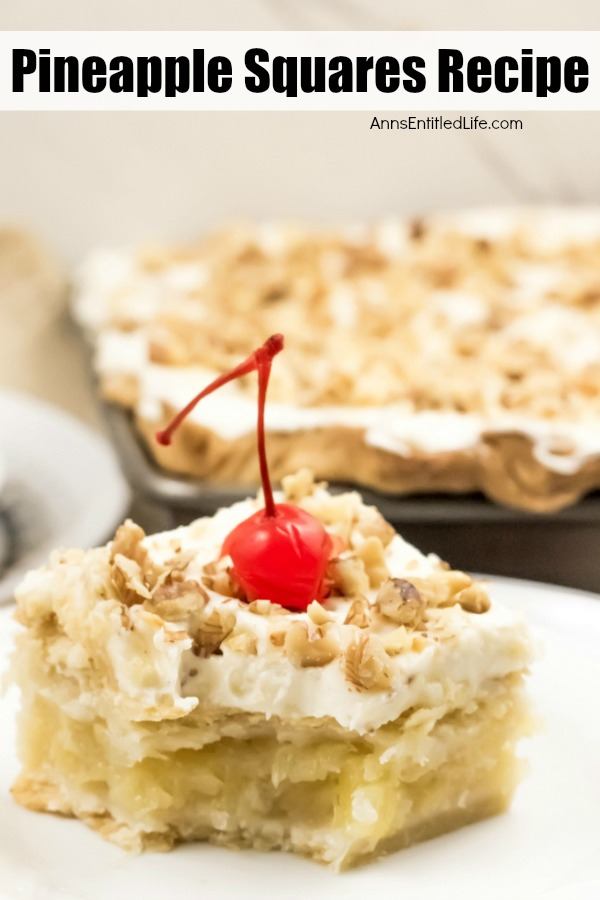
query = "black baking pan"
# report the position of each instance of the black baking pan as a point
(469, 530)
(201, 498)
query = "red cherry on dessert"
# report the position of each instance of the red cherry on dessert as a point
(281, 552)
(281, 558)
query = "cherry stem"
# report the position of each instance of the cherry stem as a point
(249, 365)
(259, 361)
(264, 372)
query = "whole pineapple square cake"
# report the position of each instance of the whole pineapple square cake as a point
(375, 701)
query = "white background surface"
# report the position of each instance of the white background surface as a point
(545, 848)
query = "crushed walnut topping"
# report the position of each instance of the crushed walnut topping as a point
(366, 665)
(371, 524)
(132, 572)
(368, 618)
(397, 641)
(481, 301)
(216, 576)
(400, 601)
(358, 613)
(372, 554)
(176, 598)
(128, 579)
(210, 630)
(241, 642)
(447, 587)
(299, 485)
(306, 647)
(348, 576)
(473, 599)
(266, 608)
(128, 542)
(318, 614)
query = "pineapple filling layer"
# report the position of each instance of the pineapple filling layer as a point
(335, 797)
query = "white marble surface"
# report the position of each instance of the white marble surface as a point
(299, 14)
(81, 179)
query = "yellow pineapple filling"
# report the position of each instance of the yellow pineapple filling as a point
(329, 793)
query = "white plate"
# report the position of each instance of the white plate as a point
(70, 490)
(547, 846)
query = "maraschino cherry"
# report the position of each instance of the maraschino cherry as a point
(280, 553)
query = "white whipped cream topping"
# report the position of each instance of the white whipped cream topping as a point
(111, 284)
(483, 648)
(477, 650)
(156, 675)
(560, 446)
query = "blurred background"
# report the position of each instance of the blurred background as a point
(79, 181)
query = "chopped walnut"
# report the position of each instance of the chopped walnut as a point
(358, 613)
(473, 599)
(299, 485)
(132, 571)
(128, 580)
(372, 524)
(397, 641)
(348, 576)
(400, 601)
(372, 553)
(216, 576)
(339, 512)
(175, 598)
(266, 608)
(127, 541)
(447, 587)
(318, 614)
(441, 586)
(306, 648)
(209, 631)
(179, 561)
(242, 642)
(366, 665)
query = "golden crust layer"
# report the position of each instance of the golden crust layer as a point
(502, 466)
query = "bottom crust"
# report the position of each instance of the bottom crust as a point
(502, 466)
(42, 797)
(337, 797)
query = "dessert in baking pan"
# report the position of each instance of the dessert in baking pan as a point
(450, 353)
(287, 674)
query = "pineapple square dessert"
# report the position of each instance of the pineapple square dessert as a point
(166, 697)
